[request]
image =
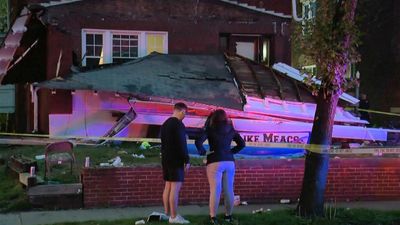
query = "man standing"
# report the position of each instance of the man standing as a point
(364, 104)
(174, 160)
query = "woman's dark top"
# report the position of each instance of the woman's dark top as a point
(219, 139)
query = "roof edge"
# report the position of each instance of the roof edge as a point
(254, 8)
(56, 3)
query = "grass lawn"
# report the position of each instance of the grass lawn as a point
(13, 196)
(285, 217)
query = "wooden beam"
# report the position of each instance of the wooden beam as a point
(253, 73)
(297, 91)
(280, 92)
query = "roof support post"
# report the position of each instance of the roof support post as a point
(34, 99)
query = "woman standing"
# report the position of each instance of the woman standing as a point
(220, 161)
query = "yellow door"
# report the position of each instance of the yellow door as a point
(155, 43)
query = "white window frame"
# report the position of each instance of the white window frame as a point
(108, 44)
(84, 46)
(311, 67)
(124, 33)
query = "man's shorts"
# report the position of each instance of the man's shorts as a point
(173, 174)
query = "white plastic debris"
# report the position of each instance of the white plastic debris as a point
(236, 200)
(260, 210)
(39, 157)
(117, 162)
(141, 156)
(244, 203)
(105, 164)
(285, 201)
(140, 222)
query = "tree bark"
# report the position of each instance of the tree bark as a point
(311, 202)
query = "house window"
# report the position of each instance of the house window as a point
(125, 47)
(155, 43)
(351, 71)
(309, 9)
(310, 70)
(94, 49)
(113, 46)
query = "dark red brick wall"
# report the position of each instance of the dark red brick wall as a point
(192, 28)
(255, 181)
(188, 32)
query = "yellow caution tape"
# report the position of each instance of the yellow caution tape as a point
(320, 149)
(374, 111)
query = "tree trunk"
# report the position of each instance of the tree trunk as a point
(316, 165)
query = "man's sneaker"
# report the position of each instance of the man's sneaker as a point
(178, 219)
(230, 220)
(213, 221)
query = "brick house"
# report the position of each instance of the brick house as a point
(69, 50)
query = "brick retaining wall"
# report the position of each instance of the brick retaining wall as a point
(255, 181)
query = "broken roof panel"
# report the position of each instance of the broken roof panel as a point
(198, 78)
(258, 80)
(297, 75)
(12, 42)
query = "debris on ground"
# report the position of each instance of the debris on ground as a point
(39, 157)
(260, 210)
(285, 201)
(140, 222)
(236, 200)
(141, 156)
(157, 216)
(145, 145)
(117, 162)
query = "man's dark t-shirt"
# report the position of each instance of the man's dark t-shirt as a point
(173, 143)
(364, 104)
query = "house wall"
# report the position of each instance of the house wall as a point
(193, 28)
(256, 181)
